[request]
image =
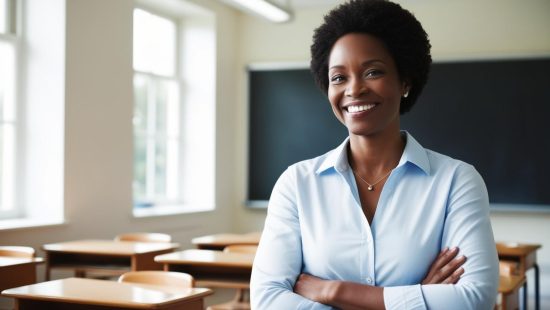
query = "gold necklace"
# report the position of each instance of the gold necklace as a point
(371, 186)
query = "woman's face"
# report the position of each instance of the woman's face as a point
(365, 89)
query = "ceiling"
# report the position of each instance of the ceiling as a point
(306, 3)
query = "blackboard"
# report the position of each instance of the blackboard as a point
(493, 114)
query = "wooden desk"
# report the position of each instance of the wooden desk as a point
(215, 269)
(508, 288)
(220, 241)
(105, 255)
(211, 268)
(90, 294)
(526, 257)
(17, 271)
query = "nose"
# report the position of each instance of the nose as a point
(356, 88)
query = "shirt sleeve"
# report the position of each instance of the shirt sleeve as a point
(467, 225)
(278, 260)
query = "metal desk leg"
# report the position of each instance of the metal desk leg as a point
(525, 295)
(537, 287)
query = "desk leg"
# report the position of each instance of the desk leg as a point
(537, 287)
(47, 272)
(525, 295)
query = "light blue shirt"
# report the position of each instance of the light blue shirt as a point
(315, 225)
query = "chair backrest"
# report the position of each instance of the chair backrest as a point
(17, 251)
(144, 237)
(240, 248)
(165, 278)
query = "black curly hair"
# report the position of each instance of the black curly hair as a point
(400, 31)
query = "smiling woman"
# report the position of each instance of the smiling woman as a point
(397, 226)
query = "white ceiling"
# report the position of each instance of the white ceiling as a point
(306, 3)
(298, 4)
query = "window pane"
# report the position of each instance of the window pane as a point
(7, 16)
(140, 168)
(7, 82)
(160, 169)
(7, 165)
(1, 165)
(7, 125)
(154, 43)
(3, 16)
(167, 108)
(141, 93)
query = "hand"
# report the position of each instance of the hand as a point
(446, 268)
(312, 288)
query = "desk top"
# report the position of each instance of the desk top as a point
(6, 261)
(106, 293)
(207, 258)
(109, 247)
(223, 240)
(516, 249)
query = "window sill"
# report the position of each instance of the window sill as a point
(14, 224)
(166, 210)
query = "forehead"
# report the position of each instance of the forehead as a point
(359, 47)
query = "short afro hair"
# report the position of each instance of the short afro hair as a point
(400, 31)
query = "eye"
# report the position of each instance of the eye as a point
(373, 73)
(337, 79)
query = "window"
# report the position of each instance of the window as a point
(156, 110)
(8, 121)
(166, 153)
(31, 112)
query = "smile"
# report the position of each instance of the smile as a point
(359, 108)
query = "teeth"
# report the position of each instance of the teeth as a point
(359, 108)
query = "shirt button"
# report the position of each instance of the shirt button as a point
(369, 280)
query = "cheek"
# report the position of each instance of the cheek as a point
(334, 99)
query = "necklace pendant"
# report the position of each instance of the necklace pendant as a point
(370, 188)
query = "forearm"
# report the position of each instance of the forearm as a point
(354, 296)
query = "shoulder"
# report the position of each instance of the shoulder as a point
(440, 163)
(461, 178)
(316, 165)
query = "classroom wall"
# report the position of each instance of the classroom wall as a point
(458, 30)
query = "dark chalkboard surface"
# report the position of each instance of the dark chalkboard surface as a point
(494, 115)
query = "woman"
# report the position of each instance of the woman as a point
(379, 222)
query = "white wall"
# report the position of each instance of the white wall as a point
(458, 30)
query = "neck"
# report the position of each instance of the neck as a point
(375, 155)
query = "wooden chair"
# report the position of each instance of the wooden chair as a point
(17, 251)
(144, 237)
(137, 237)
(164, 278)
(241, 301)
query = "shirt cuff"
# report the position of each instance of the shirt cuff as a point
(404, 298)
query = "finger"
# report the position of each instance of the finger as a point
(454, 277)
(448, 269)
(445, 258)
(432, 271)
(442, 259)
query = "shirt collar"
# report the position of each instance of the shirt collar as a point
(413, 153)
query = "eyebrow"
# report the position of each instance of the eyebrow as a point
(364, 64)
